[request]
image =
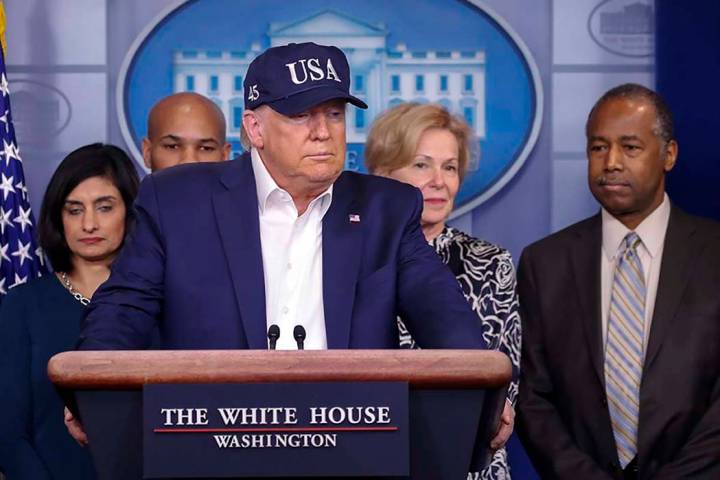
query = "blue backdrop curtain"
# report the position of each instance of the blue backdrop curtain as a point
(688, 77)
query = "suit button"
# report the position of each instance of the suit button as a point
(604, 401)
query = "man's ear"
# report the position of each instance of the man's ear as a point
(146, 152)
(253, 128)
(671, 153)
(226, 150)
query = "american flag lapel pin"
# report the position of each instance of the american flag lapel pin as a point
(354, 218)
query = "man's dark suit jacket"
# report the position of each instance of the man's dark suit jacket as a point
(563, 417)
(193, 266)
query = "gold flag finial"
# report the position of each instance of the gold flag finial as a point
(2, 26)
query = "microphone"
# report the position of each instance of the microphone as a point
(299, 334)
(273, 334)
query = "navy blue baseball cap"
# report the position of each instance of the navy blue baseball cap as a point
(293, 78)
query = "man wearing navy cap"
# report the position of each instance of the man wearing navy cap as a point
(281, 236)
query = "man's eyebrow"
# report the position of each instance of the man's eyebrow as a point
(170, 136)
(629, 137)
(177, 138)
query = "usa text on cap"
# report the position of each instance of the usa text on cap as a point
(296, 77)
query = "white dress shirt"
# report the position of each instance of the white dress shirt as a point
(652, 235)
(292, 260)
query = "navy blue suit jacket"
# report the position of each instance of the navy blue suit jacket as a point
(37, 320)
(193, 266)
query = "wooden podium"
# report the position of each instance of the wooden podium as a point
(449, 390)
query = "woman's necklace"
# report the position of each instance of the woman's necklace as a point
(78, 296)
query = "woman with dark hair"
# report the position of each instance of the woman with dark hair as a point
(428, 147)
(85, 215)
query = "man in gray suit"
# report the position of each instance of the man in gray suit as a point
(620, 373)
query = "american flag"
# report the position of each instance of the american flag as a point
(20, 257)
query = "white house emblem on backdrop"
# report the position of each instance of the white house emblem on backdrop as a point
(391, 62)
(624, 27)
(382, 76)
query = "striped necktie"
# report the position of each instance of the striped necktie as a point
(624, 348)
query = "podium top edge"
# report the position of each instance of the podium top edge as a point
(131, 369)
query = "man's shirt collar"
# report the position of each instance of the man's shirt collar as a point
(651, 230)
(268, 190)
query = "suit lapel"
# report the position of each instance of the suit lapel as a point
(341, 252)
(586, 270)
(236, 212)
(679, 253)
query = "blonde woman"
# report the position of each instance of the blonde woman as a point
(426, 146)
